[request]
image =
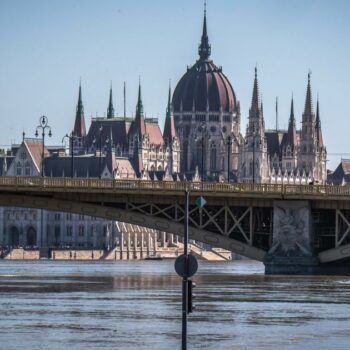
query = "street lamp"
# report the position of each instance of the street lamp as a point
(100, 158)
(43, 125)
(71, 140)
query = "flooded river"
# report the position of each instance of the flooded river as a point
(137, 305)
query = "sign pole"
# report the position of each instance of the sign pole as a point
(185, 277)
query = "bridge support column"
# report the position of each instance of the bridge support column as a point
(142, 245)
(292, 247)
(164, 240)
(155, 241)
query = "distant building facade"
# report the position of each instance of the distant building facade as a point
(201, 140)
(207, 117)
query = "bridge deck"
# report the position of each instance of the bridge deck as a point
(237, 190)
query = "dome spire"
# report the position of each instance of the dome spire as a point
(204, 47)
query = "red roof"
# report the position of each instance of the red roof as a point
(154, 134)
(35, 149)
(125, 168)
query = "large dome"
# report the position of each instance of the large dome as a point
(204, 85)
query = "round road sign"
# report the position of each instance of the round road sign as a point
(180, 265)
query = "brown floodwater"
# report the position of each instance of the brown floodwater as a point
(137, 305)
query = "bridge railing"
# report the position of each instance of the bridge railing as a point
(47, 183)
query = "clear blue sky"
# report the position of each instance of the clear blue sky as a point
(46, 46)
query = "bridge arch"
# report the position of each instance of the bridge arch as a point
(130, 217)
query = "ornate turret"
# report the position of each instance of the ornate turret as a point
(110, 110)
(139, 123)
(318, 130)
(292, 132)
(79, 125)
(256, 119)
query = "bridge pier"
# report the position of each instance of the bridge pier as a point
(292, 250)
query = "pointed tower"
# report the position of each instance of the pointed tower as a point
(321, 152)
(292, 132)
(318, 130)
(253, 160)
(172, 144)
(140, 124)
(79, 130)
(110, 109)
(137, 136)
(204, 49)
(169, 126)
(307, 160)
(79, 125)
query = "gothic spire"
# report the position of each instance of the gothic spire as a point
(110, 110)
(319, 138)
(255, 96)
(308, 100)
(204, 47)
(169, 126)
(169, 107)
(139, 125)
(79, 125)
(139, 106)
(291, 138)
(318, 120)
(291, 118)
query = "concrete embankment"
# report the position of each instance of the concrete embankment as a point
(114, 254)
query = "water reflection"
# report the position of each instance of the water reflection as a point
(136, 305)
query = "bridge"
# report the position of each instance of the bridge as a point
(291, 228)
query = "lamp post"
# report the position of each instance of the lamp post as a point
(100, 146)
(71, 140)
(43, 126)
